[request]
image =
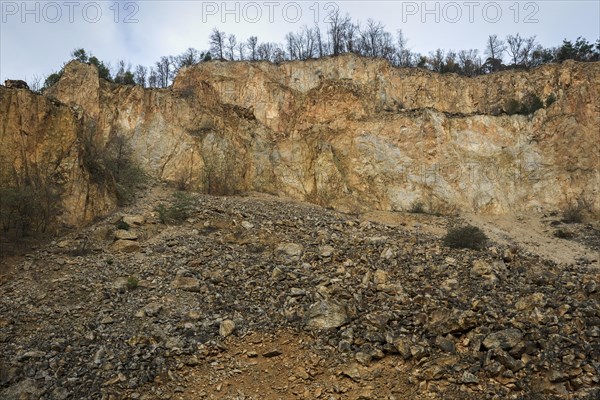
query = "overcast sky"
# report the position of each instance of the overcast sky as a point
(36, 38)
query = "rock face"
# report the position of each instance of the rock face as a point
(349, 132)
(16, 84)
(42, 146)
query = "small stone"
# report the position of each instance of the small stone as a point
(363, 358)
(122, 234)
(277, 274)
(226, 328)
(193, 315)
(191, 361)
(557, 376)
(506, 339)
(326, 314)
(60, 393)
(468, 377)
(186, 283)
(134, 220)
(352, 371)
(450, 284)
(300, 372)
(125, 246)
(403, 345)
(484, 270)
(247, 225)
(152, 309)
(380, 277)
(387, 253)
(326, 251)
(290, 251)
(272, 353)
(445, 344)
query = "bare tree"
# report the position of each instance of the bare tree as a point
(376, 42)
(352, 37)
(252, 43)
(436, 60)
(164, 71)
(140, 75)
(469, 62)
(241, 47)
(338, 32)
(290, 42)
(320, 46)
(494, 47)
(265, 51)
(35, 83)
(152, 78)
(520, 49)
(451, 62)
(403, 55)
(188, 58)
(231, 46)
(217, 43)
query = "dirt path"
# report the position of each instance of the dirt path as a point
(282, 366)
(531, 233)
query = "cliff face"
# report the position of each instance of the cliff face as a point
(352, 133)
(41, 153)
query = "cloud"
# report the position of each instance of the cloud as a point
(143, 31)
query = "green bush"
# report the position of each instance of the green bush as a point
(132, 282)
(550, 100)
(179, 210)
(466, 237)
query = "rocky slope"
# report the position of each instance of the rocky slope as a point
(259, 298)
(356, 134)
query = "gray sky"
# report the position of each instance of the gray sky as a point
(36, 38)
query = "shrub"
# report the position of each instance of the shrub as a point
(573, 215)
(417, 207)
(29, 208)
(122, 225)
(118, 158)
(178, 211)
(467, 237)
(132, 282)
(550, 100)
(112, 163)
(529, 105)
(563, 234)
(513, 107)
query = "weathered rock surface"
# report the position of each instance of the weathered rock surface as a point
(347, 132)
(42, 141)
